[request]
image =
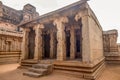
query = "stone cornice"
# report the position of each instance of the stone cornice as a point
(11, 33)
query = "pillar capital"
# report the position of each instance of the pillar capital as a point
(60, 20)
(26, 29)
(38, 26)
(81, 14)
(78, 16)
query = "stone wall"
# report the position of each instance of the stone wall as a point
(111, 48)
(10, 34)
(10, 43)
(10, 48)
(110, 41)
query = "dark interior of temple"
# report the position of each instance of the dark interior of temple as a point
(31, 44)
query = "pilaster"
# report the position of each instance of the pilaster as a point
(25, 43)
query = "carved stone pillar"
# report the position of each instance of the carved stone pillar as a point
(73, 43)
(86, 57)
(61, 45)
(25, 43)
(51, 44)
(38, 42)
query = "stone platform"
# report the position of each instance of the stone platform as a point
(73, 67)
(39, 70)
(112, 57)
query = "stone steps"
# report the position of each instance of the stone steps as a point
(42, 71)
(28, 63)
(38, 70)
(45, 66)
(32, 74)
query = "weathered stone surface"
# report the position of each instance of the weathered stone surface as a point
(111, 48)
(38, 70)
(110, 41)
(61, 47)
(41, 71)
(25, 44)
(32, 74)
(38, 42)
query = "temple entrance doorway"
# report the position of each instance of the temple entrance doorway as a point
(46, 38)
(68, 44)
(31, 45)
(78, 36)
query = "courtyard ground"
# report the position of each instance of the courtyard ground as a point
(10, 72)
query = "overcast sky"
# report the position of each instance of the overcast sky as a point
(107, 11)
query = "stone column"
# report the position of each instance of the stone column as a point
(25, 43)
(61, 45)
(38, 41)
(73, 43)
(83, 15)
(51, 44)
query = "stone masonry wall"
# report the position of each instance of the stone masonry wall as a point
(96, 41)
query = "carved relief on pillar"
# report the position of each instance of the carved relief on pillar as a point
(61, 47)
(38, 41)
(25, 43)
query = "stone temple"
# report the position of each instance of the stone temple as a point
(70, 39)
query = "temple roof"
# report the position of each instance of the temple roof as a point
(58, 12)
